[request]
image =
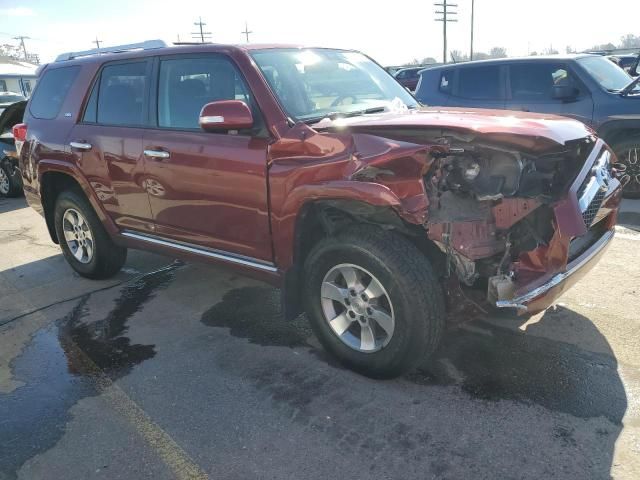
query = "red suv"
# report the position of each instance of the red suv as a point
(314, 170)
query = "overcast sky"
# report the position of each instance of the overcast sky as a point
(393, 32)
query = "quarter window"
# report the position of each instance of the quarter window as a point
(479, 83)
(446, 81)
(51, 92)
(187, 84)
(536, 81)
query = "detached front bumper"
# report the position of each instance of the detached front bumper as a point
(542, 297)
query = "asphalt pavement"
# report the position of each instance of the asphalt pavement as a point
(174, 370)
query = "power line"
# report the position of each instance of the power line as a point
(202, 34)
(246, 31)
(445, 12)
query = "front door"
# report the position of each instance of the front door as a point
(109, 139)
(207, 189)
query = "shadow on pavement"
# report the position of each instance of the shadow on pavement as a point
(9, 204)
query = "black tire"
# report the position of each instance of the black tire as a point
(107, 258)
(412, 287)
(622, 150)
(15, 182)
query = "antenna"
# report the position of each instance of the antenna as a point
(445, 12)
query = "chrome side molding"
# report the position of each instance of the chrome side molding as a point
(204, 251)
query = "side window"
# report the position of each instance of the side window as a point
(3, 86)
(535, 81)
(187, 84)
(51, 91)
(122, 93)
(401, 75)
(479, 83)
(446, 81)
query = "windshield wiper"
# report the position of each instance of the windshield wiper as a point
(335, 115)
(627, 90)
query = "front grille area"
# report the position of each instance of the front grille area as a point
(581, 244)
(590, 213)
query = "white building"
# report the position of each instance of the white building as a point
(17, 77)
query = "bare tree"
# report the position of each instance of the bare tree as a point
(630, 41)
(498, 52)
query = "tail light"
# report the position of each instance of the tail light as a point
(19, 132)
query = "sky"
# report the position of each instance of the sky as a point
(392, 32)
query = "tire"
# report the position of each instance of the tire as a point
(106, 258)
(628, 153)
(10, 182)
(412, 296)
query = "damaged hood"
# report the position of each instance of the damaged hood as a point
(520, 129)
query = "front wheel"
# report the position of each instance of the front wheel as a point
(373, 301)
(628, 154)
(84, 241)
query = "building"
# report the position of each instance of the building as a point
(16, 76)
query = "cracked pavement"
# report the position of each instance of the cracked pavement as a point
(174, 370)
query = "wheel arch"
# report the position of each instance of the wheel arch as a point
(617, 130)
(54, 178)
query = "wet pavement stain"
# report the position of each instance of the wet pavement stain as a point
(33, 417)
(523, 367)
(254, 313)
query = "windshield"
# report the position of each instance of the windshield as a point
(606, 73)
(315, 83)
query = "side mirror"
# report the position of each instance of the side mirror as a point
(565, 92)
(225, 115)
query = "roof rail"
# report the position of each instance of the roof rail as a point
(146, 45)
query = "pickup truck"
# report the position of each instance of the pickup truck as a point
(314, 170)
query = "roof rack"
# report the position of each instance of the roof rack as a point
(146, 45)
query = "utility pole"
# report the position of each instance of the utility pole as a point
(472, 14)
(202, 34)
(246, 31)
(97, 42)
(445, 12)
(24, 49)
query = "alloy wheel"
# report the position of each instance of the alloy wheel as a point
(4, 182)
(357, 307)
(78, 235)
(154, 187)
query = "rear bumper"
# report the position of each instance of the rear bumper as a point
(541, 297)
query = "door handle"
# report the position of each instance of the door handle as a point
(157, 154)
(82, 146)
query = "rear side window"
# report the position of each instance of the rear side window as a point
(535, 81)
(52, 89)
(479, 83)
(119, 97)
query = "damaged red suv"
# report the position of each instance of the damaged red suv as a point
(314, 170)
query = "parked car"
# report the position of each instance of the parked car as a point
(373, 215)
(7, 98)
(10, 178)
(589, 88)
(408, 77)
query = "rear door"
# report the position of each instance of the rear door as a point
(479, 86)
(206, 188)
(530, 89)
(109, 137)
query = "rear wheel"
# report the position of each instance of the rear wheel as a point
(628, 153)
(84, 241)
(373, 301)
